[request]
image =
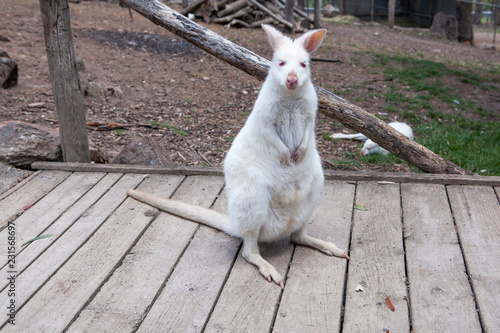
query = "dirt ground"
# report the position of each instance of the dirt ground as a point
(196, 102)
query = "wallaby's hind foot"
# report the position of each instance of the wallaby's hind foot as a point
(329, 248)
(251, 254)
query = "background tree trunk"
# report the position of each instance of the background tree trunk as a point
(317, 14)
(289, 12)
(464, 20)
(478, 13)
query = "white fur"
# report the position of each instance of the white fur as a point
(371, 147)
(273, 171)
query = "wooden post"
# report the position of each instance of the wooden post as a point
(331, 105)
(390, 17)
(289, 4)
(65, 80)
(317, 14)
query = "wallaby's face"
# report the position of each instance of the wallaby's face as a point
(291, 59)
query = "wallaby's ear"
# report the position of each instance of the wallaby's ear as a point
(273, 35)
(312, 40)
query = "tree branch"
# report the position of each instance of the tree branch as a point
(331, 105)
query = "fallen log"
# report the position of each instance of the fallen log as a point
(270, 13)
(191, 8)
(335, 107)
(229, 18)
(233, 7)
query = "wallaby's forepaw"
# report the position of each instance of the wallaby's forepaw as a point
(299, 154)
(270, 274)
(285, 158)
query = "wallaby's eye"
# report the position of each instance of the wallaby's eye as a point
(281, 63)
(303, 64)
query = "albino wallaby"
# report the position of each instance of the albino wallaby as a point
(272, 171)
(371, 147)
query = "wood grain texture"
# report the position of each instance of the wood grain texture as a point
(477, 217)
(377, 263)
(448, 179)
(29, 194)
(331, 105)
(191, 292)
(248, 301)
(313, 295)
(65, 80)
(79, 269)
(26, 255)
(440, 293)
(123, 301)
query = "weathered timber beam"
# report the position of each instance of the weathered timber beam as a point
(331, 105)
(194, 6)
(65, 80)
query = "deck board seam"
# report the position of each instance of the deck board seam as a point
(28, 299)
(221, 289)
(115, 267)
(464, 257)
(346, 273)
(278, 302)
(60, 215)
(405, 259)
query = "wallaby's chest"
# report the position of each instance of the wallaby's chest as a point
(291, 123)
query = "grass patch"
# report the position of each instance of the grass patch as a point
(173, 128)
(471, 144)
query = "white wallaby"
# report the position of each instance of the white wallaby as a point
(371, 147)
(273, 171)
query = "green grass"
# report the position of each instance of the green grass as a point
(173, 128)
(472, 144)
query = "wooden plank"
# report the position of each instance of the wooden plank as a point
(191, 291)
(440, 294)
(64, 248)
(20, 184)
(65, 80)
(313, 295)
(377, 263)
(49, 208)
(127, 168)
(248, 302)
(29, 194)
(448, 179)
(477, 216)
(123, 301)
(34, 220)
(59, 227)
(55, 305)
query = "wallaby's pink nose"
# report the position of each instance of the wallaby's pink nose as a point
(292, 81)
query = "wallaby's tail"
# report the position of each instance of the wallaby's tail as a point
(191, 212)
(357, 136)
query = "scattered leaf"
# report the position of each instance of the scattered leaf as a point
(389, 304)
(360, 206)
(37, 238)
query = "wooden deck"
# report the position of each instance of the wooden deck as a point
(117, 265)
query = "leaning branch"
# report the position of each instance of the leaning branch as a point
(331, 105)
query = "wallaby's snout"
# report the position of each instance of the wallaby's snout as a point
(292, 81)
